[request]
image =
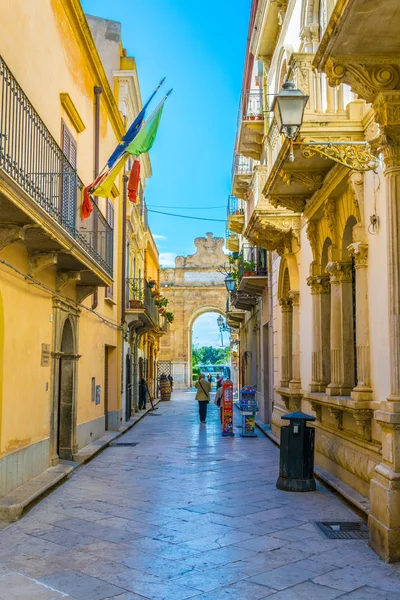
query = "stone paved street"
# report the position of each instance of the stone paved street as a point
(186, 514)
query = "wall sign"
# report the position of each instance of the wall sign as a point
(45, 355)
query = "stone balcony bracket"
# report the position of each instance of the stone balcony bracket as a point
(291, 398)
(337, 406)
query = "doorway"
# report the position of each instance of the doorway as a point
(65, 394)
(106, 370)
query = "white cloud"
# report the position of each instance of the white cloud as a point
(167, 259)
(159, 237)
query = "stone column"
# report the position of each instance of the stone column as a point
(342, 353)
(363, 390)
(286, 308)
(384, 519)
(295, 381)
(320, 288)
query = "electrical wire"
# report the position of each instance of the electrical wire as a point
(33, 281)
(187, 216)
(186, 207)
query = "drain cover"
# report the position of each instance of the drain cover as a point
(116, 444)
(344, 530)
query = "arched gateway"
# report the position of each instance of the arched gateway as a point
(193, 287)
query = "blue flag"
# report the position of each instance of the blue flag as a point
(132, 131)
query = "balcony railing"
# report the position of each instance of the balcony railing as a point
(252, 106)
(242, 165)
(32, 158)
(253, 260)
(138, 289)
(235, 206)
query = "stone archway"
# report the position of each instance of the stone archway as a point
(195, 286)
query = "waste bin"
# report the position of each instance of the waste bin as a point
(296, 468)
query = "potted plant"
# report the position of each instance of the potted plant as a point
(249, 268)
(161, 301)
(136, 301)
(152, 283)
(169, 316)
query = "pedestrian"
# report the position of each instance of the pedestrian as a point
(219, 381)
(209, 377)
(171, 382)
(203, 396)
(218, 396)
(143, 391)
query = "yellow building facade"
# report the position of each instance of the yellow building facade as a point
(317, 315)
(62, 328)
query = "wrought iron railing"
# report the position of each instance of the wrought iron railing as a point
(235, 206)
(242, 165)
(138, 289)
(32, 158)
(253, 105)
(253, 259)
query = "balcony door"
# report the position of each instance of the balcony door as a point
(68, 179)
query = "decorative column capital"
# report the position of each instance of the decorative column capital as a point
(285, 304)
(387, 115)
(359, 252)
(294, 297)
(319, 284)
(339, 271)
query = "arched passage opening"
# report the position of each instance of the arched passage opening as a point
(208, 346)
(1, 362)
(66, 413)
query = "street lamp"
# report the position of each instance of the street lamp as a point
(288, 107)
(222, 327)
(230, 285)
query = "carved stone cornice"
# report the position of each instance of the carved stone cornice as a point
(339, 271)
(273, 231)
(294, 202)
(366, 75)
(295, 297)
(359, 251)
(313, 180)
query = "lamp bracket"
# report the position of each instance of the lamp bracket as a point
(355, 155)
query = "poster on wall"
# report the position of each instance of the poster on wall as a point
(227, 409)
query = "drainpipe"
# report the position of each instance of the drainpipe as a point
(97, 91)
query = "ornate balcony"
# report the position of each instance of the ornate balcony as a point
(232, 241)
(242, 171)
(141, 311)
(40, 199)
(273, 228)
(251, 124)
(234, 317)
(243, 301)
(331, 115)
(253, 269)
(235, 214)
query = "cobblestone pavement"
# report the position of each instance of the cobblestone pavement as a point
(186, 514)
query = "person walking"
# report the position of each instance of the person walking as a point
(209, 378)
(171, 382)
(203, 396)
(143, 391)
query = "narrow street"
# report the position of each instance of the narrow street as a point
(186, 513)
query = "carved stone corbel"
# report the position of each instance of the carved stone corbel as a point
(64, 278)
(363, 419)
(317, 408)
(337, 415)
(83, 291)
(9, 234)
(41, 260)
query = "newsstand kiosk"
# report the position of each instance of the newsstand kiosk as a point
(227, 408)
(248, 408)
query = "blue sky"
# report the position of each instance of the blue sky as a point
(206, 332)
(199, 47)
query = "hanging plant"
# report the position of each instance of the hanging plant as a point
(169, 316)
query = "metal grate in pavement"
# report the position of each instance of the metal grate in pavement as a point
(344, 530)
(121, 444)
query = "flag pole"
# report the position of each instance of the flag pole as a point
(123, 155)
(145, 106)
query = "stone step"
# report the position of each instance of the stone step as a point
(15, 503)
